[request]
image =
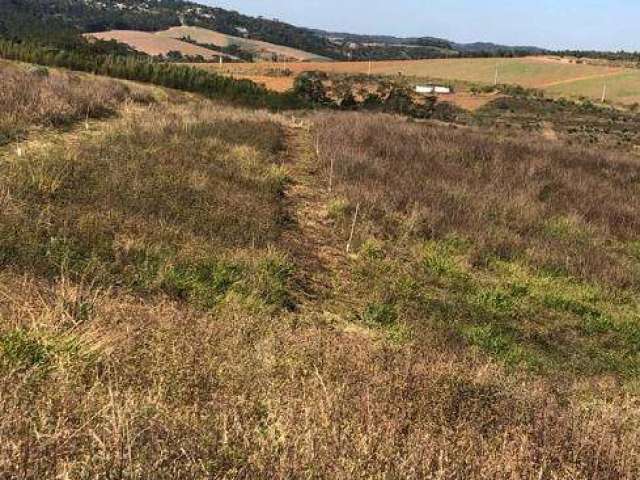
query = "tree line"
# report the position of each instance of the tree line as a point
(179, 77)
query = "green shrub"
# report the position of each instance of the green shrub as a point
(337, 209)
(309, 87)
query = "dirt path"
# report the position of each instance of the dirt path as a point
(312, 241)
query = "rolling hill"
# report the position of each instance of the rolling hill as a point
(260, 49)
(45, 20)
(208, 44)
(156, 44)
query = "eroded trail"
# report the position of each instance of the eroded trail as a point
(311, 241)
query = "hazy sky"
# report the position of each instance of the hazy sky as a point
(585, 24)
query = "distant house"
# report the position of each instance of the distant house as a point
(433, 89)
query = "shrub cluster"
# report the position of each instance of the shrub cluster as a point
(390, 97)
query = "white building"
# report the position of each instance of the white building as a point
(431, 89)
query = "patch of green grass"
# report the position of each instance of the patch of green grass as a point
(372, 250)
(271, 281)
(634, 249)
(630, 331)
(337, 209)
(440, 261)
(23, 350)
(277, 178)
(494, 302)
(593, 320)
(207, 283)
(144, 266)
(380, 314)
(496, 340)
(202, 283)
(564, 228)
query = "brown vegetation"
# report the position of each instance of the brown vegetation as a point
(152, 323)
(525, 249)
(35, 97)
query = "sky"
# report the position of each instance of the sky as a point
(555, 24)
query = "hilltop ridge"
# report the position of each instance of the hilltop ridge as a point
(33, 18)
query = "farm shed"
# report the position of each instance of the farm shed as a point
(430, 89)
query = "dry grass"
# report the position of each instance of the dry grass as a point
(35, 96)
(154, 390)
(147, 328)
(553, 204)
(526, 251)
(261, 49)
(151, 203)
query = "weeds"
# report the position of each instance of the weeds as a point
(149, 329)
(30, 98)
(447, 182)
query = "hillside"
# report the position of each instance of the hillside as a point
(157, 44)
(190, 288)
(45, 20)
(33, 18)
(380, 47)
(258, 49)
(193, 42)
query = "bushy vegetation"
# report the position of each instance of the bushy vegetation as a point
(321, 90)
(581, 122)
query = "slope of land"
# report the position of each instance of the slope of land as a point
(156, 45)
(177, 299)
(259, 49)
(38, 19)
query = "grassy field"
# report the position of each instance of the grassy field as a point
(554, 76)
(192, 290)
(623, 88)
(35, 97)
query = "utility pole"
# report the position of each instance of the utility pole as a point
(604, 93)
(495, 80)
(369, 66)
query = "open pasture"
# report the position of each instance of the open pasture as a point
(557, 77)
